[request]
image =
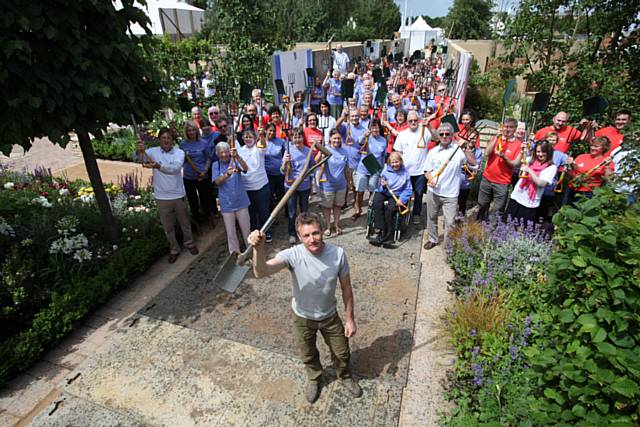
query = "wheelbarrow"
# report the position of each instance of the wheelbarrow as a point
(237, 265)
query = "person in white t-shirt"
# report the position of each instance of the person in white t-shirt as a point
(534, 177)
(208, 85)
(168, 189)
(443, 181)
(412, 144)
(340, 60)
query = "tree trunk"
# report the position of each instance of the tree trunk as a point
(110, 225)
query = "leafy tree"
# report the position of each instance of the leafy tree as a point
(436, 22)
(469, 19)
(71, 66)
(576, 49)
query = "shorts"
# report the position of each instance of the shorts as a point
(329, 199)
(365, 182)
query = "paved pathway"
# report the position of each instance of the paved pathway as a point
(175, 350)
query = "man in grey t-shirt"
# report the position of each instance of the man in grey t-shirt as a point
(315, 269)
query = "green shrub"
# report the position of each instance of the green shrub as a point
(589, 366)
(79, 297)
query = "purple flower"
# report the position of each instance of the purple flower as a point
(513, 350)
(473, 333)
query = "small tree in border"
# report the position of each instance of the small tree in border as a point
(71, 66)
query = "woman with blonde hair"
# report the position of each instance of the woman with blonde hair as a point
(195, 172)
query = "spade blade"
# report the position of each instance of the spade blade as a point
(231, 274)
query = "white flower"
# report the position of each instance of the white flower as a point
(87, 198)
(82, 255)
(9, 186)
(124, 229)
(115, 247)
(64, 192)
(136, 230)
(130, 208)
(42, 201)
(138, 197)
(26, 242)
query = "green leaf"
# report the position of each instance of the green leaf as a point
(606, 348)
(625, 387)
(553, 394)
(599, 335)
(566, 315)
(578, 261)
(579, 410)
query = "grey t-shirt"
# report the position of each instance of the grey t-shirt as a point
(314, 279)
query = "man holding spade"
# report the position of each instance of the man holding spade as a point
(316, 267)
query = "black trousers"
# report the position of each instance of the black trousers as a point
(383, 215)
(200, 197)
(462, 200)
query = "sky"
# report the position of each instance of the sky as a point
(431, 8)
(434, 8)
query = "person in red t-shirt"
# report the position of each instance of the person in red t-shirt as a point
(566, 134)
(396, 127)
(311, 132)
(467, 128)
(614, 133)
(503, 155)
(589, 170)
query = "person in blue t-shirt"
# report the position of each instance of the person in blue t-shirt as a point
(371, 143)
(295, 160)
(352, 133)
(234, 201)
(333, 182)
(272, 164)
(195, 173)
(394, 177)
(333, 88)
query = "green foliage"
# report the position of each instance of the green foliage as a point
(115, 146)
(469, 19)
(55, 260)
(484, 93)
(72, 66)
(282, 23)
(79, 298)
(590, 365)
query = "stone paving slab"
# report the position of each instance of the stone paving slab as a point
(163, 374)
(69, 410)
(259, 313)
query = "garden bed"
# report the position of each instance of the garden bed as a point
(547, 332)
(56, 263)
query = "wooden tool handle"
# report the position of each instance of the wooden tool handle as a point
(307, 170)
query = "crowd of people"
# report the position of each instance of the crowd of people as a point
(389, 153)
(393, 142)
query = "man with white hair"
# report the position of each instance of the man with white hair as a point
(340, 59)
(412, 143)
(442, 172)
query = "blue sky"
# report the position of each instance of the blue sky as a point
(435, 8)
(432, 8)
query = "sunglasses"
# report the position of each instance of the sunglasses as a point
(445, 133)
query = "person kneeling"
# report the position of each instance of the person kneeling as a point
(394, 181)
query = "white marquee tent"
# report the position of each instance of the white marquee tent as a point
(171, 17)
(419, 35)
